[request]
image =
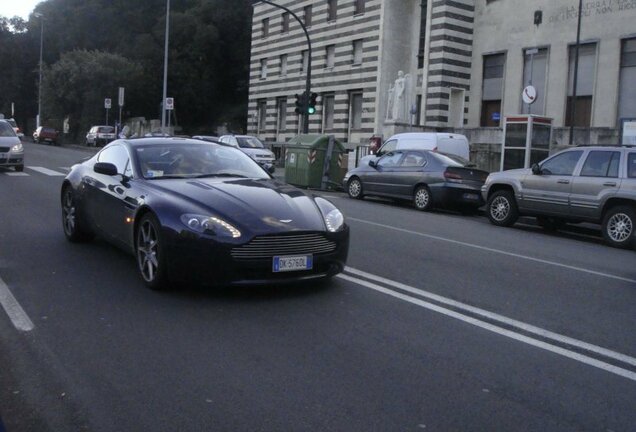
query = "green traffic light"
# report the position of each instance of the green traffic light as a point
(311, 110)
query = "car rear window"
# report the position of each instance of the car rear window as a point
(48, 130)
(106, 129)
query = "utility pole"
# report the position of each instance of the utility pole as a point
(308, 81)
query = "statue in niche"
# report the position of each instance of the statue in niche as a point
(399, 98)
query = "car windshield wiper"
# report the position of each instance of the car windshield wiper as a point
(167, 177)
(220, 175)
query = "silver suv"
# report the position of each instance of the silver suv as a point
(582, 184)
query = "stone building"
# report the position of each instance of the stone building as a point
(387, 66)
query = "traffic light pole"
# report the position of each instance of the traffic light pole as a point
(308, 82)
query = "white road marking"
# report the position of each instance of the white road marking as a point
(498, 251)
(17, 174)
(498, 330)
(18, 317)
(496, 317)
(46, 171)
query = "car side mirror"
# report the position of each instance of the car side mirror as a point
(536, 169)
(105, 168)
(373, 164)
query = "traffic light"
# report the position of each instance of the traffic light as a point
(300, 103)
(311, 104)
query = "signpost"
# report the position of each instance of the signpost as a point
(169, 107)
(121, 104)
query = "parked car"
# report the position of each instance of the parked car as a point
(16, 129)
(11, 149)
(454, 144)
(99, 136)
(583, 184)
(251, 146)
(430, 179)
(45, 134)
(202, 212)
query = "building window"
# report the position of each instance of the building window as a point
(584, 86)
(304, 64)
(265, 27)
(328, 104)
(422, 42)
(357, 52)
(492, 89)
(263, 68)
(283, 65)
(332, 10)
(307, 16)
(627, 93)
(535, 69)
(355, 101)
(330, 52)
(358, 7)
(284, 25)
(281, 108)
(262, 115)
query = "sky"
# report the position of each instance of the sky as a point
(22, 8)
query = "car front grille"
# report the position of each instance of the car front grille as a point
(4, 149)
(266, 247)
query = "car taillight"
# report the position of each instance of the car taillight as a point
(452, 176)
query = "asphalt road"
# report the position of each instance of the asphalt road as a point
(441, 322)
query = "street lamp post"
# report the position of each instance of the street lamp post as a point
(165, 70)
(308, 81)
(39, 116)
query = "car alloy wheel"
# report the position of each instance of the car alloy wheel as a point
(355, 188)
(422, 198)
(149, 253)
(618, 226)
(73, 229)
(502, 208)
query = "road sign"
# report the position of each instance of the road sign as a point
(169, 103)
(121, 96)
(107, 103)
(529, 95)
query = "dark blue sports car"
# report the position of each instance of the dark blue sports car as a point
(203, 212)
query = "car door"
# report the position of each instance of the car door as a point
(381, 179)
(111, 200)
(410, 171)
(597, 181)
(548, 192)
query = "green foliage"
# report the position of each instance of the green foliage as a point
(92, 47)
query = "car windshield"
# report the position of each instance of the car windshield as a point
(249, 142)
(106, 129)
(6, 130)
(195, 160)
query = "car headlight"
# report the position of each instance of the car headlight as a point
(17, 148)
(334, 219)
(209, 225)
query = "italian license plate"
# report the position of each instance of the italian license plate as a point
(292, 263)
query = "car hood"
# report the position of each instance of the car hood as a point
(258, 205)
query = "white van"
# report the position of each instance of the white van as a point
(454, 144)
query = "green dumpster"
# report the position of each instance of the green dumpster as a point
(305, 162)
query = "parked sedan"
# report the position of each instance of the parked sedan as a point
(428, 178)
(45, 134)
(204, 212)
(11, 149)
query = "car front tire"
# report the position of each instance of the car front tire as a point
(149, 252)
(502, 208)
(618, 226)
(354, 188)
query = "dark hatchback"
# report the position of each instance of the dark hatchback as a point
(429, 179)
(203, 212)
